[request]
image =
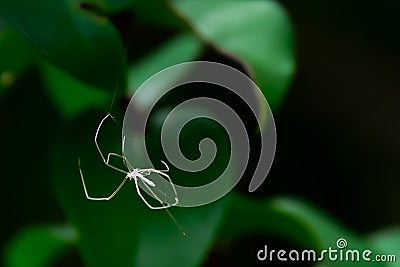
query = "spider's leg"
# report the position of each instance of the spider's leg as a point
(99, 198)
(129, 166)
(163, 206)
(152, 169)
(106, 160)
(171, 183)
(166, 166)
(123, 151)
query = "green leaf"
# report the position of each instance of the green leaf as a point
(157, 12)
(122, 231)
(68, 95)
(162, 246)
(38, 246)
(180, 49)
(291, 220)
(106, 6)
(83, 44)
(256, 32)
(387, 242)
(15, 57)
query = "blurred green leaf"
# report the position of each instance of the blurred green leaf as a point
(161, 245)
(38, 246)
(189, 138)
(15, 56)
(256, 32)
(387, 242)
(69, 96)
(122, 231)
(156, 12)
(85, 45)
(180, 49)
(105, 6)
(291, 220)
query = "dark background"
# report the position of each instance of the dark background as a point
(338, 129)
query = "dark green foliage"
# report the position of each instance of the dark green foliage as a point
(67, 58)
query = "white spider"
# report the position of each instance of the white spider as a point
(135, 175)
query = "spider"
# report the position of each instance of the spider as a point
(134, 174)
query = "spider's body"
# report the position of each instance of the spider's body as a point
(138, 173)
